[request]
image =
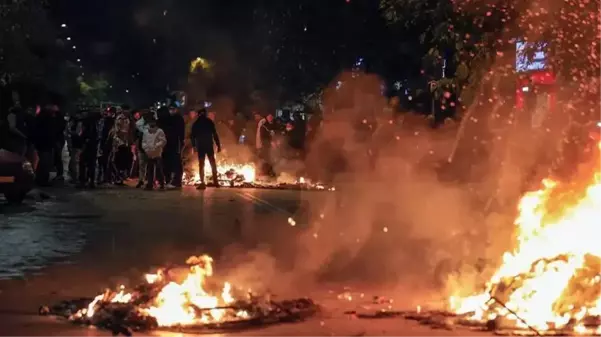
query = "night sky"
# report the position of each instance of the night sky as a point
(280, 47)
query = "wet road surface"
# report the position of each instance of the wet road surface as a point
(36, 234)
(127, 232)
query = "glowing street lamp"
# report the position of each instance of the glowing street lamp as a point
(68, 38)
(64, 25)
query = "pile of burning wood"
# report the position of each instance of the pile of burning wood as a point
(163, 302)
(244, 176)
(550, 283)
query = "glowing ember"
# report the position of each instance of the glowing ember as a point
(177, 304)
(552, 280)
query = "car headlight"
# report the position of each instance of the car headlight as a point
(27, 167)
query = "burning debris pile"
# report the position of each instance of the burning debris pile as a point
(164, 303)
(245, 176)
(551, 283)
(230, 175)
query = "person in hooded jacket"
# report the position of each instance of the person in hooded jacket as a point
(204, 138)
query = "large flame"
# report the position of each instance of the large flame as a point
(552, 279)
(182, 303)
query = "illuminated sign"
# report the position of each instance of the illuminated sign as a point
(537, 61)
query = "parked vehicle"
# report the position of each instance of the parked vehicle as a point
(16, 176)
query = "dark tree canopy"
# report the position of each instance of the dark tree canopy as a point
(475, 36)
(26, 37)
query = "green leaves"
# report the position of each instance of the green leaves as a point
(93, 90)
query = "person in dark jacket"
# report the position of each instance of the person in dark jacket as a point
(204, 138)
(57, 154)
(174, 126)
(105, 126)
(75, 141)
(266, 130)
(45, 141)
(89, 152)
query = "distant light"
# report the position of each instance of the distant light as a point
(410, 98)
(68, 38)
(78, 60)
(127, 90)
(165, 12)
(64, 25)
(525, 89)
(74, 47)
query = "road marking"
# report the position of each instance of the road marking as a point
(263, 202)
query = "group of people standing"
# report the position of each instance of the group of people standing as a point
(110, 146)
(117, 145)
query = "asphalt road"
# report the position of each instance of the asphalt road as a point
(128, 232)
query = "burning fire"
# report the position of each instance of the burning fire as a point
(228, 174)
(552, 280)
(177, 304)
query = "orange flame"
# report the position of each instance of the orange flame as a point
(246, 171)
(552, 280)
(178, 304)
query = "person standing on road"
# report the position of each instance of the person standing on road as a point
(121, 153)
(75, 143)
(153, 143)
(106, 124)
(60, 126)
(264, 143)
(45, 141)
(204, 138)
(174, 126)
(89, 151)
(188, 151)
(141, 127)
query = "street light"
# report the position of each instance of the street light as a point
(74, 47)
(127, 91)
(78, 60)
(64, 25)
(68, 38)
